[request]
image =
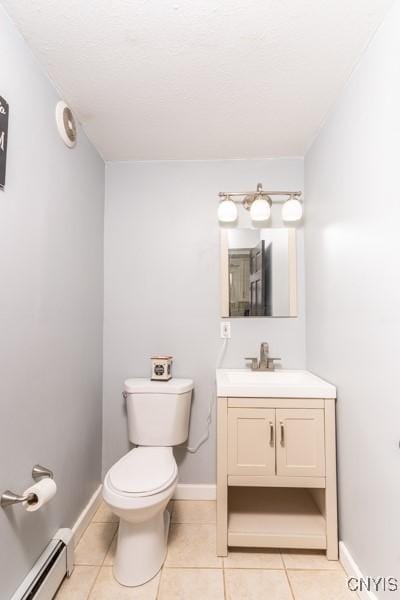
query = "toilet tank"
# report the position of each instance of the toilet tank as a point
(158, 411)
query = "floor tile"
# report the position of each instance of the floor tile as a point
(78, 586)
(94, 543)
(194, 511)
(309, 559)
(192, 545)
(107, 588)
(320, 585)
(110, 556)
(104, 515)
(249, 558)
(256, 584)
(191, 584)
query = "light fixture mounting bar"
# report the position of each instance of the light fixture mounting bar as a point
(258, 193)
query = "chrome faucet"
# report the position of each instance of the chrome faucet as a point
(264, 351)
(265, 362)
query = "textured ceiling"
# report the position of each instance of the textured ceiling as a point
(188, 79)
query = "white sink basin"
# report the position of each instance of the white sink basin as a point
(272, 384)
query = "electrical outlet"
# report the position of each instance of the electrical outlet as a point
(225, 329)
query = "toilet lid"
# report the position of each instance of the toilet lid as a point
(144, 470)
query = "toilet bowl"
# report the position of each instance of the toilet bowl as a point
(137, 489)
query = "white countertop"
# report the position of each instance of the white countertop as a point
(281, 383)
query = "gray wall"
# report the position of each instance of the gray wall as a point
(162, 287)
(353, 294)
(51, 235)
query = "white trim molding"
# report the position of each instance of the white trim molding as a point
(86, 515)
(353, 570)
(195, 491)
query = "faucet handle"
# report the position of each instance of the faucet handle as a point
(254, 362)
(270, 362)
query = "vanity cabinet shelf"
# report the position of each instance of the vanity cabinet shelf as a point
(276, 474)
(275, 517)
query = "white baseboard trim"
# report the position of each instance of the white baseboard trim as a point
(194, 491)
(353, 570)
(86, 515)
(184, 491)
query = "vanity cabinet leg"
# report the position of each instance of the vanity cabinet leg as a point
(331, 486)
(222, 477)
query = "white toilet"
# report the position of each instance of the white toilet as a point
(139, 486)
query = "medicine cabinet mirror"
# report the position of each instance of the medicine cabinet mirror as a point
(258, 272)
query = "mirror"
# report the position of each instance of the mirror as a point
(258, 272)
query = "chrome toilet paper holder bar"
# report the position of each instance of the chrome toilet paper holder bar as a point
(8, 498)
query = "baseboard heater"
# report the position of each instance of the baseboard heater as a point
(44, 579)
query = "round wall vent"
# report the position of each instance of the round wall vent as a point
(66, 124)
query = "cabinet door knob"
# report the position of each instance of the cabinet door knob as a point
(271, 433)
(282, 433)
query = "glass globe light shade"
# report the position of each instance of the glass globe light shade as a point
(260, 211)
(227, 212)
(292, 210)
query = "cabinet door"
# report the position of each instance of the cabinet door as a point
(251, 441)
(300, 447)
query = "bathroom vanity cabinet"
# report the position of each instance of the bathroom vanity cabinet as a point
(276, 470)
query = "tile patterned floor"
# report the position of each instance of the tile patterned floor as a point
(192, 571)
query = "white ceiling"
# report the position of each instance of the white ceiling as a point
(198, 79)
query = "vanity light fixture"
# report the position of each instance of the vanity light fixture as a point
(259, 204)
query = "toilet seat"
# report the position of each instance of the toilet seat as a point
(144, 471)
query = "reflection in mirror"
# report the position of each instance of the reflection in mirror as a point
(258, 272)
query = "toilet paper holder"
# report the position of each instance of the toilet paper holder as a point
(9, 498)
(38, 472)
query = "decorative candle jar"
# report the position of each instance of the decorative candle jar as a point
(161, 368)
